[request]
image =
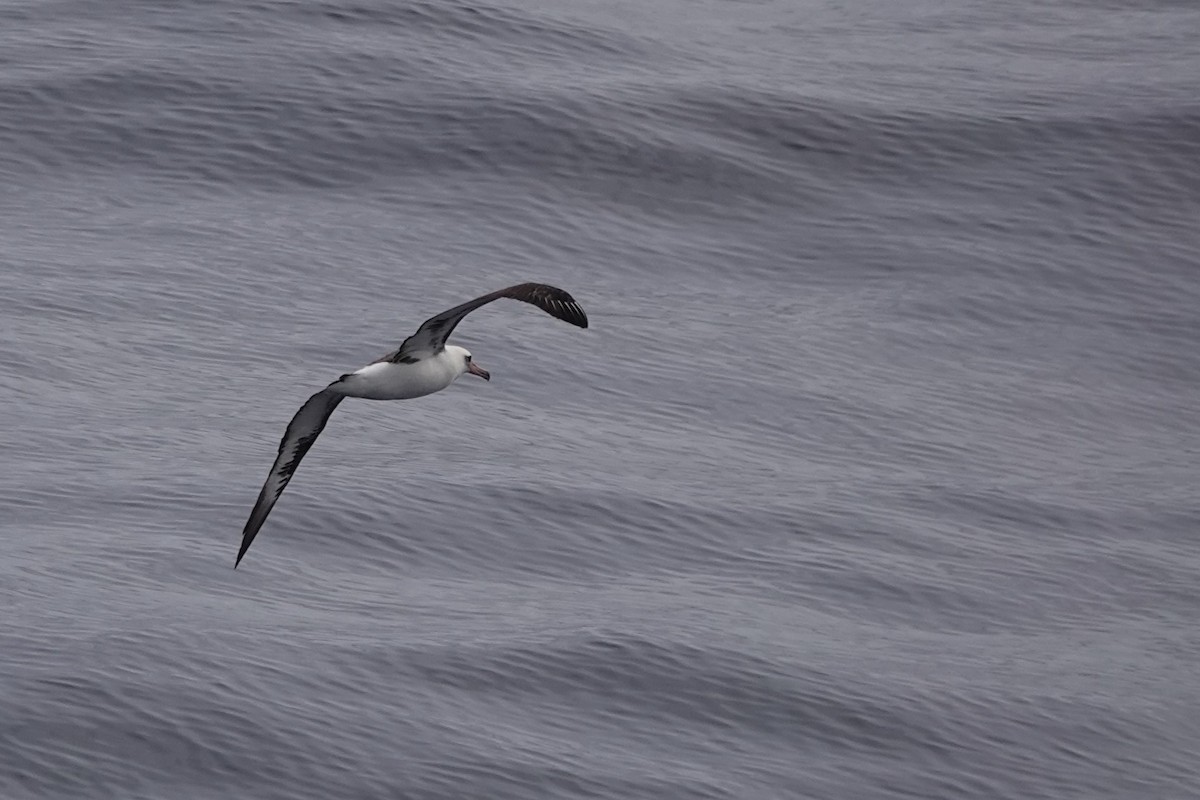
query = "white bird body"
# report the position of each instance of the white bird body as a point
(385, 380)
(423, 364)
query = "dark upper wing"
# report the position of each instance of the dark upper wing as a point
(431, 337)
(301, 432)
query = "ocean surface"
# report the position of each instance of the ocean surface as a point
(877, 474)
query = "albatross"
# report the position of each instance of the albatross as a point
(421, 365)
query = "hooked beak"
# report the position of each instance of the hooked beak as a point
(475, 369)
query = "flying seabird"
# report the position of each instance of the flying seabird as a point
(421, 365)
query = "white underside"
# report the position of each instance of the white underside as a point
(388, 381)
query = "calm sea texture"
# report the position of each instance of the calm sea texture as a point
(876, 476)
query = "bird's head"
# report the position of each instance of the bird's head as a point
(464, 357)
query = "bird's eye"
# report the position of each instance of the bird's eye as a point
(468, 359)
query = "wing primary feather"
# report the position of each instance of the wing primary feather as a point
(301, 432)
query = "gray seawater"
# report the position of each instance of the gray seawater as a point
(876, 475)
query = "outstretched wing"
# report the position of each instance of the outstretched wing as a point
(431, 337)
(301, 432)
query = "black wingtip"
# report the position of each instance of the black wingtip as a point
(551, 299)
(572, 312)
(241, 552)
